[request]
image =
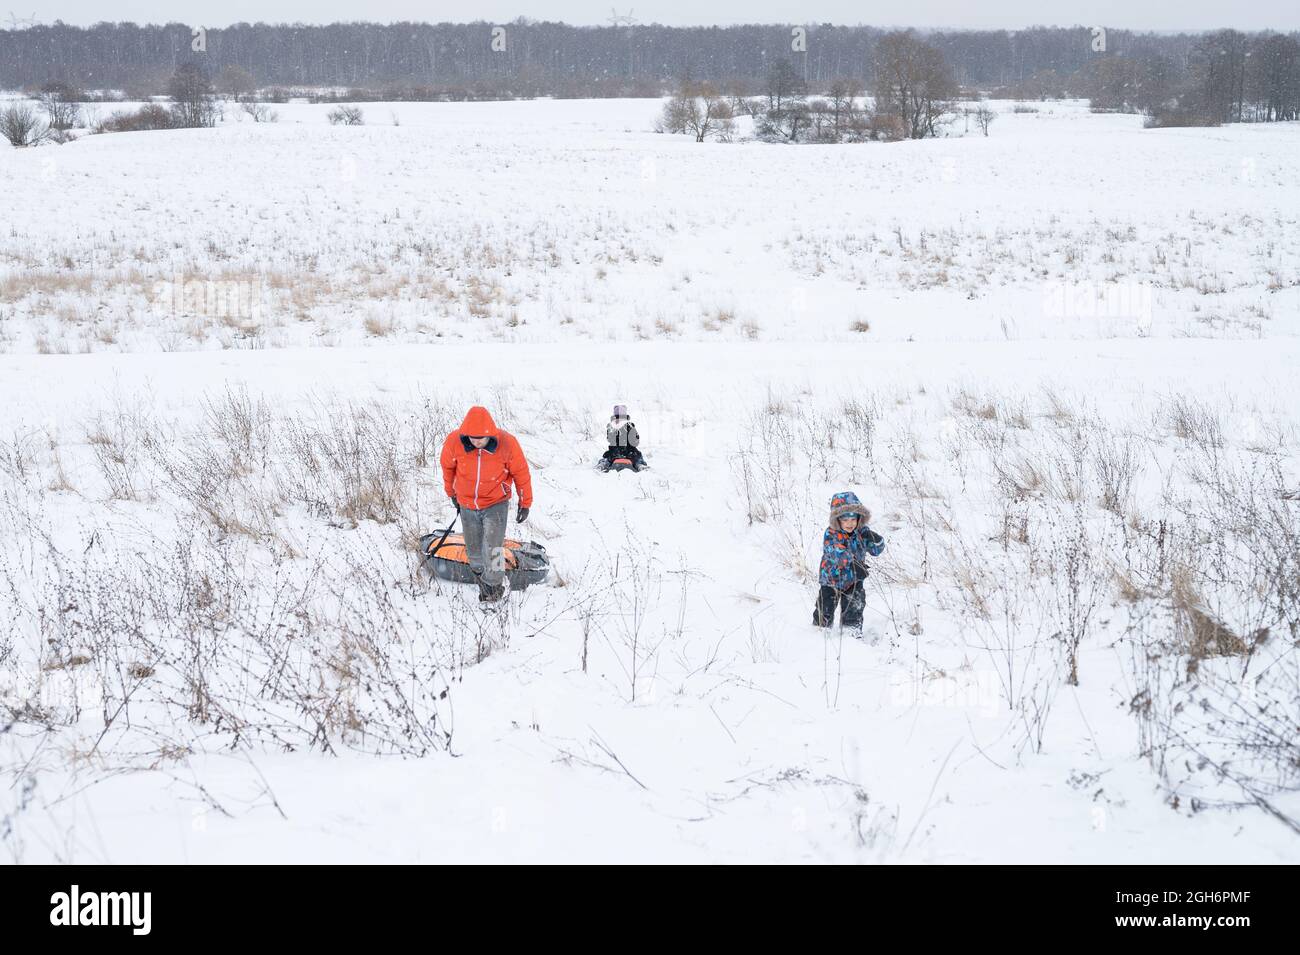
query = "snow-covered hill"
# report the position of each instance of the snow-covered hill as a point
(216, 645)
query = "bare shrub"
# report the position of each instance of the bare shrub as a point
(1178, 115)
(857, 430)
(259, 112)
(1118, 464)
(21, 125)
(151, 116)
(1020, 476)
(181, 636)
(62, 106)
(346, 115)
(1078, 577)
(18, 459)
(1004, 614)
(770, 464)
(634, 583)
(1213, 637)
(120, 440)
(347, 466)
(1193, 421)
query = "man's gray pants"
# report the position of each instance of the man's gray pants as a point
(485, 534)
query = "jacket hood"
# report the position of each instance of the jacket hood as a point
(844, 504)
(478, 424)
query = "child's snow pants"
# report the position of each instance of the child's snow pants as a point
(851, 601)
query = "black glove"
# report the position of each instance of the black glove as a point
(859, 570)
(455, 503)
(522, 515)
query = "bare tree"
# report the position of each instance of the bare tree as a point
(842, 103)
(821, 128)
(698, 109)
(783, 84)
(1230, 78)
(1273, 79)
(984, 117)
(675, 115)
(1220, 71)
(787, 116)
(914, 85)
(751, 106)
(193, 104)
(237, 83)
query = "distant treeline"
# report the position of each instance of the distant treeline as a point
(539, 58)
(1221, 76)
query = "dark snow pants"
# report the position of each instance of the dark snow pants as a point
(851, 601)
(632, 454)
(485, 534)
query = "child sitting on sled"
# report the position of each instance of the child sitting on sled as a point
(622, 437)
(845, 547)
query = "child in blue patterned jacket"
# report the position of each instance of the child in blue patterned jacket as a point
(847, 543)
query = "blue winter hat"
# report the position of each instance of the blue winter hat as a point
(846, 503)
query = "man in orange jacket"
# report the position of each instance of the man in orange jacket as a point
(480, 462)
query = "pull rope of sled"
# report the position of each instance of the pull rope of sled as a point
(443, 539)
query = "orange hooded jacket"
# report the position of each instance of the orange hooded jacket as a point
(479, 478)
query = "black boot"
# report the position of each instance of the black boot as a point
(852, 602)
(824, 612)
(488, 593)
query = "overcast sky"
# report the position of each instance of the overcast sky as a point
(974, 14)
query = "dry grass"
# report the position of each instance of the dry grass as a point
(16, 288)
(1194, 421)
(1200, 634)
(59, 483)
(379, 327)
(76, 660)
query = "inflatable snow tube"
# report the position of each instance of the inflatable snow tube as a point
(621, 464)
(526, 563)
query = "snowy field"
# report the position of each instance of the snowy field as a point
(538, 221)
(1058, 364)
